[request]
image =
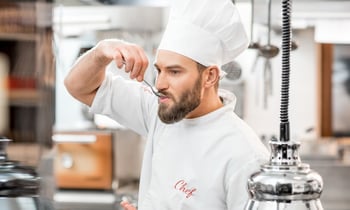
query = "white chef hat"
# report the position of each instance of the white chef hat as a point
(209, 32)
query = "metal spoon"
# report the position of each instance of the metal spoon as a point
(155, 92)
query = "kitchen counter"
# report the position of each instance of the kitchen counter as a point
(328, 158)
(335, 175)
(94, 199)
(87, 200)
(84, 200)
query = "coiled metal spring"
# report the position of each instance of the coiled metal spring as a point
(286, 48)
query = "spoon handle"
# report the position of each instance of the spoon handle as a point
(154, 91)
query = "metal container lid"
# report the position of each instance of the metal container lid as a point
(285, 178)
(15, 179)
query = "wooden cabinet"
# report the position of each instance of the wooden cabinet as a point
(334, 90)
(26, 39)
(83, 160)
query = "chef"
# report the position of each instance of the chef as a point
(199, 153)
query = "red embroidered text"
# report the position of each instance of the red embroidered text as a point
(182, 186)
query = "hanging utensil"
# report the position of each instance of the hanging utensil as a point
(294, 45)
(269, 51)
(267, 82)
(252, 45)
(233, 70)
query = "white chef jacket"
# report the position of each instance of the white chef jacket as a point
(195, 164)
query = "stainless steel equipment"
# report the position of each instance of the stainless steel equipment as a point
(285, 182)
(19, 184)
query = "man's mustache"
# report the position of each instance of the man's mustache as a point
(166, 94)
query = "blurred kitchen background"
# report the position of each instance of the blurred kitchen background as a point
(89, 161)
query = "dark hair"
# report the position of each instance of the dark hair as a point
(201, 67)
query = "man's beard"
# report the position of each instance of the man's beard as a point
(187, 102)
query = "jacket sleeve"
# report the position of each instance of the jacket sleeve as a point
(128, 102)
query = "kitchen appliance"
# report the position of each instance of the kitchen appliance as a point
(19, 184)
(83, 160)
(285, 182)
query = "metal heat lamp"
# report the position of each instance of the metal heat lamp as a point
(285, 182)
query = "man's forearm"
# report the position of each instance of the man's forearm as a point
(86, 75)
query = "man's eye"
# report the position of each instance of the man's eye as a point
(174, 72)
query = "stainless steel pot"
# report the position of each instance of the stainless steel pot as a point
(19, 185)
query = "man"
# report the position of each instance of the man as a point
(198, 154)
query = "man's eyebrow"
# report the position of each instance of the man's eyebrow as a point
(175, 66)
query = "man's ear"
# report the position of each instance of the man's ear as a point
(212, 76)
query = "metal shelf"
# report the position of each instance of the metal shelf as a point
(24, 97)
(18, 36)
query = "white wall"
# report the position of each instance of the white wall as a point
(68, 110)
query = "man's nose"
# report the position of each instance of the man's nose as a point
(161, 82)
